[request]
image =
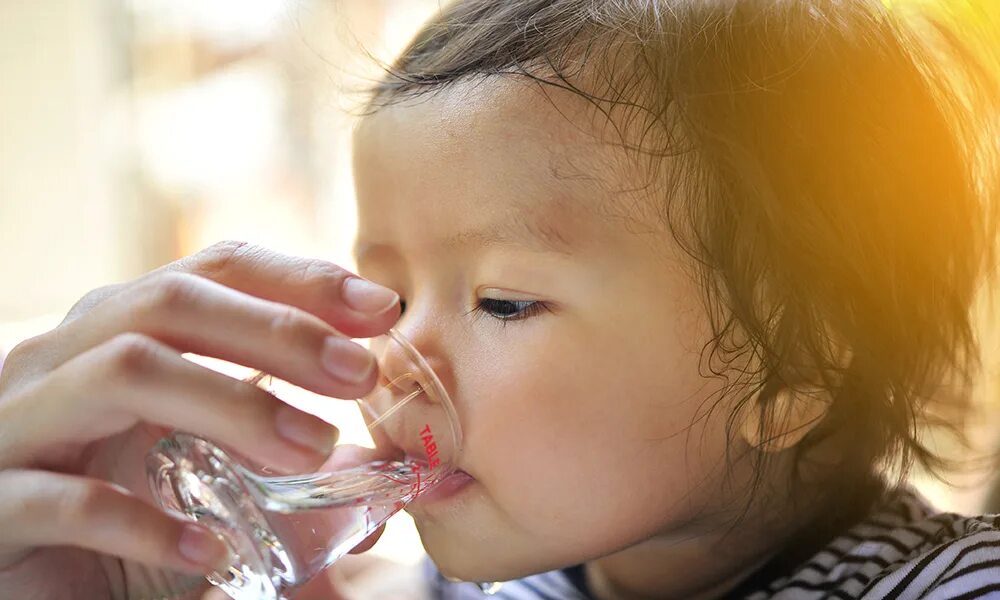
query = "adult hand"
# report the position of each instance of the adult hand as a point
(80, 405)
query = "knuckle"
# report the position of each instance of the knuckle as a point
(324, 277)
(92, 298)
(288, 323)
(132, 355)
(219, 257)
(26, 360)
(25, 351)
(170, 291)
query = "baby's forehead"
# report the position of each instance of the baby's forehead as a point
(506, 159)
(543, 143)
(509, 105)
(503, 112)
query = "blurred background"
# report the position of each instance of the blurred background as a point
(133, 132)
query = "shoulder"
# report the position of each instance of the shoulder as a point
(551, 585)
(905, 550)
(964, 564)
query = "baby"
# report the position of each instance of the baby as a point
(694, 273)
(691, 269)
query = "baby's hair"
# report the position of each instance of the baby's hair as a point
(823, 162)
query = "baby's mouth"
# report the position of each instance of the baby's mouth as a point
(409, 458)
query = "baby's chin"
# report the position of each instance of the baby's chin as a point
(471, 538)
(467, 548)
(481, 562)
(465, 542)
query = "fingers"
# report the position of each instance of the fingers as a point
(349, 303)
(41, 508)
(194, 314)
(328, 293)
(134, 378)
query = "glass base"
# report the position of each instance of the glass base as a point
(280, 530)
(193, 478)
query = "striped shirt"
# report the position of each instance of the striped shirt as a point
(902, 549)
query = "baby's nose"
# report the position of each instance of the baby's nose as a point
(409, 365)
(405, 390)
(400, 373)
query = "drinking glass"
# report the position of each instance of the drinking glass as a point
(281, 530)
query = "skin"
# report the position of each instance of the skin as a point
(80, 406)
(585, 424)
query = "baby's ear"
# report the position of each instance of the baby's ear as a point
(791, 414)
(787, 409)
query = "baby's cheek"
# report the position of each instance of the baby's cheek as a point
(574, 445)
(551, 448)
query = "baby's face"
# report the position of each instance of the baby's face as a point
(586, 421)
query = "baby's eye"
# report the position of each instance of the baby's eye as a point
(501, 310)
(510, 310)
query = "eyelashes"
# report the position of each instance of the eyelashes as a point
(503, 311)
(509, 310)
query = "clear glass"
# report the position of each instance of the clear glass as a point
(283, 530)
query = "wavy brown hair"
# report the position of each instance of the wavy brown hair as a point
(834, 158)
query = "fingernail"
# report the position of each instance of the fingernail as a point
(346, 360)
(367, 297)
(306, 430)
(201, 547)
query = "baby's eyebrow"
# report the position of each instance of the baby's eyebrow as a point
(518, 231)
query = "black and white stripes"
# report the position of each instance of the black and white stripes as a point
(903, 550)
